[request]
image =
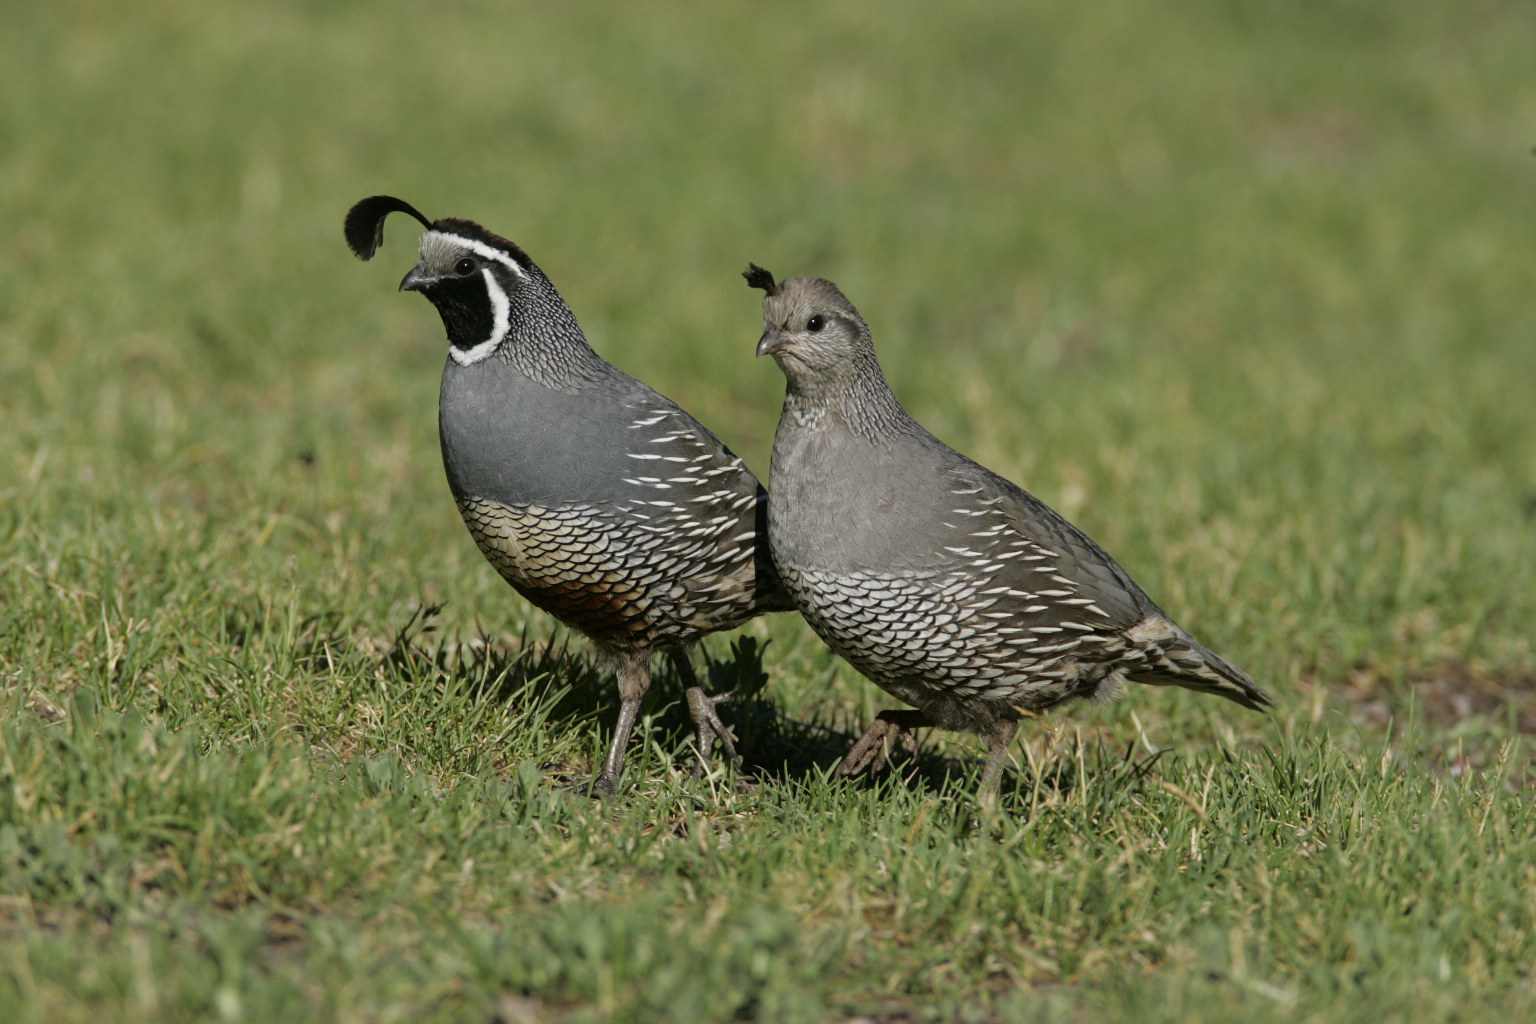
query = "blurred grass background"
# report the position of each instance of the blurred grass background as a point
(1244, 289)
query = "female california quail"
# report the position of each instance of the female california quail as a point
(599, 500)
(951, 588)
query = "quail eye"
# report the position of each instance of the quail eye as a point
(815, 323)
(465, 266)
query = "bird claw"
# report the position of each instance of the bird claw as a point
(601, 787)
(872, 751)
(709, 727)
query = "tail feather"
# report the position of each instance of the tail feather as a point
(1185, 663)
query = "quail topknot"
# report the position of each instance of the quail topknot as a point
(599, 500)
(951, 588)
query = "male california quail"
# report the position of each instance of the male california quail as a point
(599, 500)
(951, 588)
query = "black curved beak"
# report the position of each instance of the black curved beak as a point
(416, 281)
(771, 341)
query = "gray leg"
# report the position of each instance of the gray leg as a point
(872, 749)
(998, 737)
(634, 678)
(701, 706)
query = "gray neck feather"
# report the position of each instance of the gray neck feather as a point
(865, 403)
(546, 344)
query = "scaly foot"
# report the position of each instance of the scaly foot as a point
(873, 748)
(709, 727)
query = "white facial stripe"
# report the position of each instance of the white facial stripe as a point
(481, 249)
(501, 311)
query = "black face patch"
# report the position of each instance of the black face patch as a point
(465, 306)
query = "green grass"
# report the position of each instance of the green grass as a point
(1242, 288)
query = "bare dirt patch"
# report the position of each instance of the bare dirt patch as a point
(1448, 694)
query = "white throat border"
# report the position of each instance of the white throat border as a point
(501, 306)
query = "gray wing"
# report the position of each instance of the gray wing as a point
(1067, 590)
(1055, 574)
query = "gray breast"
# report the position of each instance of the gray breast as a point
(611, 508)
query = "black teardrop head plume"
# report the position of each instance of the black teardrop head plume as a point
(757, 277)
(365, 223)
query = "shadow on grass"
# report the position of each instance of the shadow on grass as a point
(576, 688)
(573, 687)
